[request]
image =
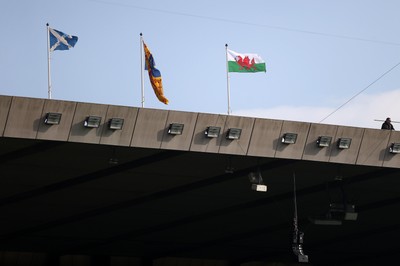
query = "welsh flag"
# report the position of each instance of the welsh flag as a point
(245, 62)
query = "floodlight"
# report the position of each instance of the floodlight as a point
(115, 123)
(332, 217)
(350, 216)
(229, 170)
(233, 133)
(344, 143)
(325, 221)
(113, 161)
(255, 178)
(346, 212)
(259, 188)
(394, 148)
(324, 141)
(92, 121)
(52, 119)
(212, 132)
(175, 129)
(337, 213)
(257, 182)
(289, 138)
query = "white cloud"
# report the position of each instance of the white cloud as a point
(360, 112)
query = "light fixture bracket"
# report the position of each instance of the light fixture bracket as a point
(52, 118)
(92, 121)
(175, 129)
(344, 143)
(212, 132)
(394, 148)
(116, 123)
(289, 138)
(324, 141)
(233, 133)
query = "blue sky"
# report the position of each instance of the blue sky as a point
(319, 54)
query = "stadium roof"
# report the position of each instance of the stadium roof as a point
(140, 192)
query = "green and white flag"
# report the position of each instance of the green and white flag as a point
(245, 62)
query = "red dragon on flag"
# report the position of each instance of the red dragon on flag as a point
(245, 62)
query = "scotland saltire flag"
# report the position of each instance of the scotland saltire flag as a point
(61, 41)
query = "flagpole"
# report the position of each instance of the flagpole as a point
(48, 62)
(141, 67)
(227, 80)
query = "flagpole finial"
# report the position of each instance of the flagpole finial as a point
(141, 34)
(226, 45)
(47, 24)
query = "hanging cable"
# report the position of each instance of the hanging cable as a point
(337, 109)
(241, 22)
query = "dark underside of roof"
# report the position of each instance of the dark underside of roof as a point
(73, 198)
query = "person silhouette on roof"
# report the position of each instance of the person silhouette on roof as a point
(387, 124)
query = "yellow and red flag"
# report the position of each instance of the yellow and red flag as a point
(154, 75)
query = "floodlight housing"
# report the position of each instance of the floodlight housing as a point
(337, 213)
(233, 133)
(255, 178)
(175, 129)
(324, 141)
(344, 143)
(115, 123)
(257, 182)
(345, 212)
(52, 118)
(289, 138)
(212, 132)
(92, 121)
(325, 221)
(350, 216)
(259, 188)
(394, 148)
